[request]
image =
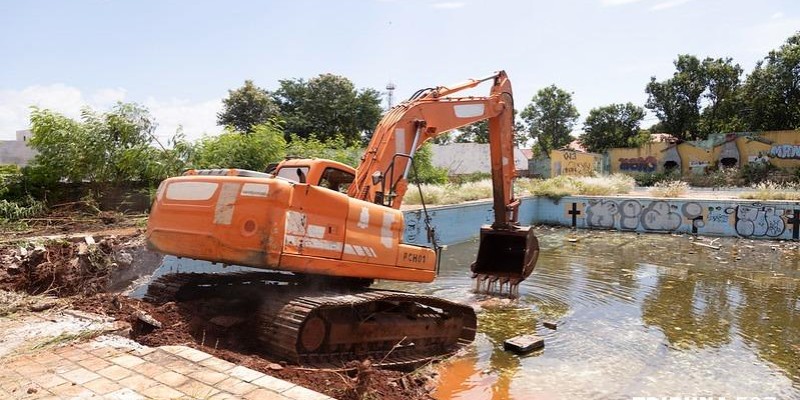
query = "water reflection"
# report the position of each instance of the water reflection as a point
(638, 315)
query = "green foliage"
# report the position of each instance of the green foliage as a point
(772, 90)
(652, 178)
(334, 149)
(428, 173)
(246, 107)
(473, 177)
(753, 173)
(676, 101)
(328, 106)
(614, 125)
(549, 118)
(724, 102)
(449, 193)
(21, 209)
(254, 151)
(475, 133)
(106, 148)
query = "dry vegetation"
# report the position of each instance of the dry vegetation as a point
(451, 193)
(669, 189)
(773, 191)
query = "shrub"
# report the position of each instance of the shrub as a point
(449, 193)
(564, 185)
(651, 178)
(773, 191)
(669, 189)
(753, 173)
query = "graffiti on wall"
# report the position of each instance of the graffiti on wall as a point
(758, 220)
(753, 220)
(785, 151)
(638, 164)
(633, 215)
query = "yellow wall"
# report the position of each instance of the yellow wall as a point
(782, 150)
(624, 159)
(565, 162)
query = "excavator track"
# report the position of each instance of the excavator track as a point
(328, 327)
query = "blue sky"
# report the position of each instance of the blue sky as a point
(179, 58)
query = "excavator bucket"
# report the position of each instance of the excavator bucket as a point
(506, 257)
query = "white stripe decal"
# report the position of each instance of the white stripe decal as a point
(255, 189)
(386, 230)
(312, 243)
(191, 190)
(223, 212)
(315, 231)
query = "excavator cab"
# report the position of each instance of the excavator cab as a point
(506, 257)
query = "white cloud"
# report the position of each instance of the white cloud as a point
(668, 4)
(448, 5)
(777, 15)
(196, 118)
(612, 3)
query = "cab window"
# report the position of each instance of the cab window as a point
(336, 179)
(297, 174)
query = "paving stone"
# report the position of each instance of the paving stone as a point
(69, 390)
(161, 357)
(224, 396)
(80, 375)
(197, 389)
(264, 394)
(245, 374)
(208, 377)
(235, 386)
(217, 364)
(143, 351)
(48, 380)
(194, 355)
(272, 383)
(102, 386)
(183, 366)
(301, 393)
(124, 394)
(73, 353)
(94, 363)
(138, 382)
(115, 372)
(151, 370)
(171, 378)
(127, 360)
(162, 392)
(48, 359)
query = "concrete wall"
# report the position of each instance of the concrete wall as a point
(17, 152)
(567, 162)
(781, 148)
(743, 218)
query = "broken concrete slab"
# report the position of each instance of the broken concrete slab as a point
(523, 344)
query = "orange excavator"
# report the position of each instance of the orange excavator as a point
(326, 231)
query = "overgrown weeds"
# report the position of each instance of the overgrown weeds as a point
(670, 189)
(449, 193)
(564, 185)
(773, 191)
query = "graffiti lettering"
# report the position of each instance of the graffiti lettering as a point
(570, 155)
(577, 168)
(638, 164)
(758, 221)
(656, 215)
(786, 151)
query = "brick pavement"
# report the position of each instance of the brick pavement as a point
(96, 370)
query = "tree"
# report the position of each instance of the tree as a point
(105, 148)
(721, 113)
(614, 125)
(328, 106)
(246, 107)
(334, 149)
(702, 97)
(475, 133)
(676, 101)
(549, 118)
(772, 90)
(263, 144)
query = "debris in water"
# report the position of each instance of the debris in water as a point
(523, 344)
(550, 325)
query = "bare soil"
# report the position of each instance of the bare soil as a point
(84, 274)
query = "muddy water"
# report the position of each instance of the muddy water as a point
(637, 315)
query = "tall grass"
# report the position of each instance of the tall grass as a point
(773, 191)
(557, 187)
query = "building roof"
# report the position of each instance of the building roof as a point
(469, 158)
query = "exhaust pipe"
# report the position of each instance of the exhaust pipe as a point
(506, 257)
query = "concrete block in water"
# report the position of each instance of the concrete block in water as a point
(523, 343)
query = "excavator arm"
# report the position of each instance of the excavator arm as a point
(508, 252)
(382, 175)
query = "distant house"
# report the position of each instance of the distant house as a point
(17, 152)
(471, 158)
